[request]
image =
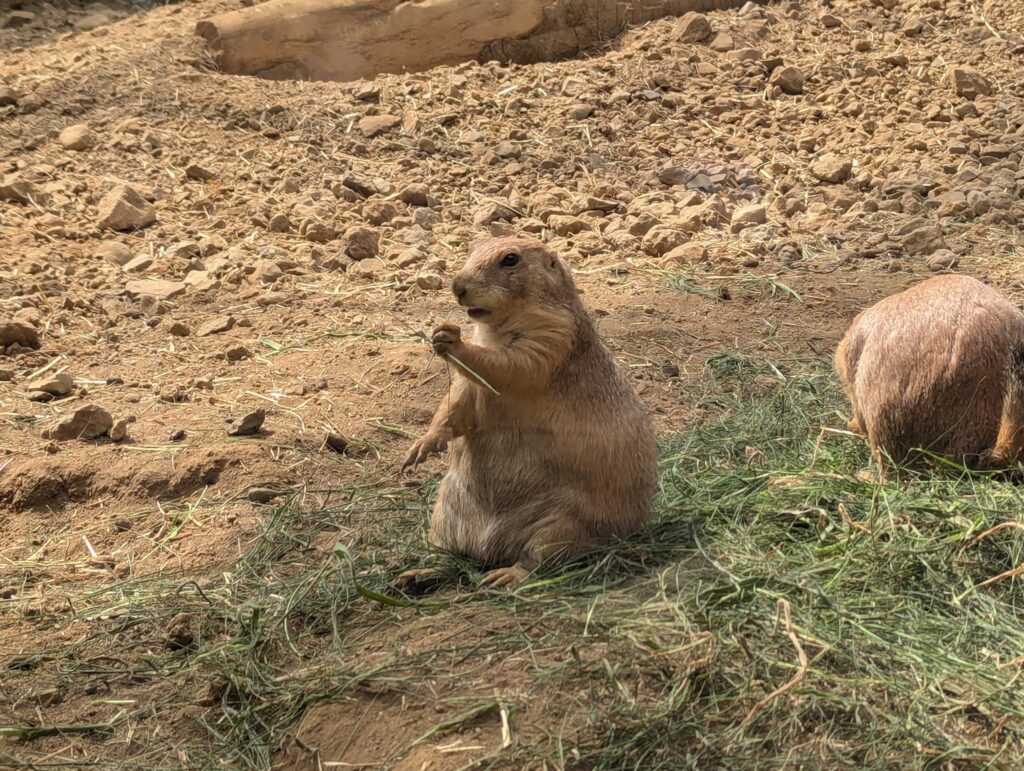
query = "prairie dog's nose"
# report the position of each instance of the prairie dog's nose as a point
(459, 288)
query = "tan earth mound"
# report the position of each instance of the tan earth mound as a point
(352, 39)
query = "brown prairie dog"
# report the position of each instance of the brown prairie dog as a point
(563, 456)
(938, 367)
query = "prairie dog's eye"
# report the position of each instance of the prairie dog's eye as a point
(510, 260)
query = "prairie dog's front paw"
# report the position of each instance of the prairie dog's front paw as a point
(429, 444)
(445, 338)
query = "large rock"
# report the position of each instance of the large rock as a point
(124, 208)
(359, 39)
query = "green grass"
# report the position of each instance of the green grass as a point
(662, 652)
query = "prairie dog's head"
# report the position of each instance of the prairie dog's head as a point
(506, 274)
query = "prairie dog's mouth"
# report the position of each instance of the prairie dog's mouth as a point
(476, 313)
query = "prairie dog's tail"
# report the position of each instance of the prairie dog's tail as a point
(1009, 447)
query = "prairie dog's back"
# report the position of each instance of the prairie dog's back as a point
(927, 367)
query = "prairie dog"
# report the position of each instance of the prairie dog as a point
(563, 456)
(939, 367)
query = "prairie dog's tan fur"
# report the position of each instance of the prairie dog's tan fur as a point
(938, 367)
(563, 456)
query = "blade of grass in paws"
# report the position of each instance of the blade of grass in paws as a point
(471, 372)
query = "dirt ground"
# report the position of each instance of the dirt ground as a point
(292, 249)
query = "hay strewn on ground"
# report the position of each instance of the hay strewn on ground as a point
(781, 611)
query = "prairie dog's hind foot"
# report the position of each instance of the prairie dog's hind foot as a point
(419, 580)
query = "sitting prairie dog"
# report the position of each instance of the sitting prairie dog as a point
(938, 367)
(563, 456)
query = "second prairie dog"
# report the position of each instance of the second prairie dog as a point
(938, 367)
(563, 456)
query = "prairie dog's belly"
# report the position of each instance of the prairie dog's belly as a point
(499, 485)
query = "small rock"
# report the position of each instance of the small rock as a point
(687, 254)
(272, 298)
(565, 225)
(415, 195)
(178, 329)
(722, 42)
(216, 326)
(267, 272)
(335, 442)
(6, 375)
(237, 353)
(659, 241)
(56, 385)
(745, 55)
(49, 697)
(177, 435)
(366, 268)
(789, 79)
(262, 495)
(375, 125)
(379, 212)
(409, 257)
(581, 110)
(248, 424)
(747, 216)
(279, 223)
(18, 333)
(154, 287)
(179, 632)
(199, 173)
(978, 202)
(212, 693)
(138, 264)
(19, 190)
(17, 19)
(924, 240)
(942, 259)
(361, 243)
(319, 232)
(78, 137)
(493, 212)
(8, 96)
(829, 21)
(367, 92)
(426, 218)
(430, 282)
(151, 306)
(124, 208)
(967, 82)
(692, 27)
(119, 431)
(912, 26)
(87, 422)
(831, 168)
(115, 252)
